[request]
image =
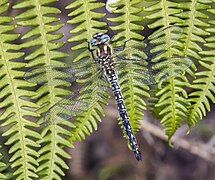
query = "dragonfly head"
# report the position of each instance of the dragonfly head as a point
(100, 38)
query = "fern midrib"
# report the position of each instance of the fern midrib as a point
(127, 34)
(46, 50)
(203, 93)
(83, 121)
(131, 101)
(52, 98)
(16, 109)
(171, 80)
(191, 25)
(173, 103)
(166, 17)
(88, 19)
(127, 20)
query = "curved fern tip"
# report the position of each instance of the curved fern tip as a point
(188, 131)
(170, 142)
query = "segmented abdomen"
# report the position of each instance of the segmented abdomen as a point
(123, 114)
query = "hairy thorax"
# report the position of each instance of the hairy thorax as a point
(104, 58)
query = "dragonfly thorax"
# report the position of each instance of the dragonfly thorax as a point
(103, 53)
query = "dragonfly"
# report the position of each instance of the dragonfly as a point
(147, 60)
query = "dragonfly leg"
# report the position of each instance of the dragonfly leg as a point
(122, 47)
(111, 40)
(91, 50)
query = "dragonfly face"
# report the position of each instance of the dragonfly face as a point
(99, 39)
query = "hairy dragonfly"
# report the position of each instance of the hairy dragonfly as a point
(153, 60)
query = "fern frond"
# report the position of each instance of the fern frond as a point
(87, 122)
(42, 20)
(194, 15)
(163, 13)
(204, 85)
(172, 97)
(2, 166)
(129, 28)
(87, 21)
(128, 21)
(13, 101)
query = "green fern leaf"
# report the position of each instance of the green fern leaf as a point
(172, 97)
(87, 23)
(128, 20)
(42, 20)
(2, 166)
(205, 83)
(195, 29)
(16, 107)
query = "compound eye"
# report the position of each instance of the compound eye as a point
(105, 38)
(93, 42)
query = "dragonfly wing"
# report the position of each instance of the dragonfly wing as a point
(57, 75)
(152, 47)
(153, 73)
(151, 59)
(84, 98)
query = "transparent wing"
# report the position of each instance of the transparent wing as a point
(92, 86)
(153, 73)
(150, 48)
(83, 98)
(55, 75)
(151, 60)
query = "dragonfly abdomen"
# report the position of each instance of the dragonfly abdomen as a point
(124, 115)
